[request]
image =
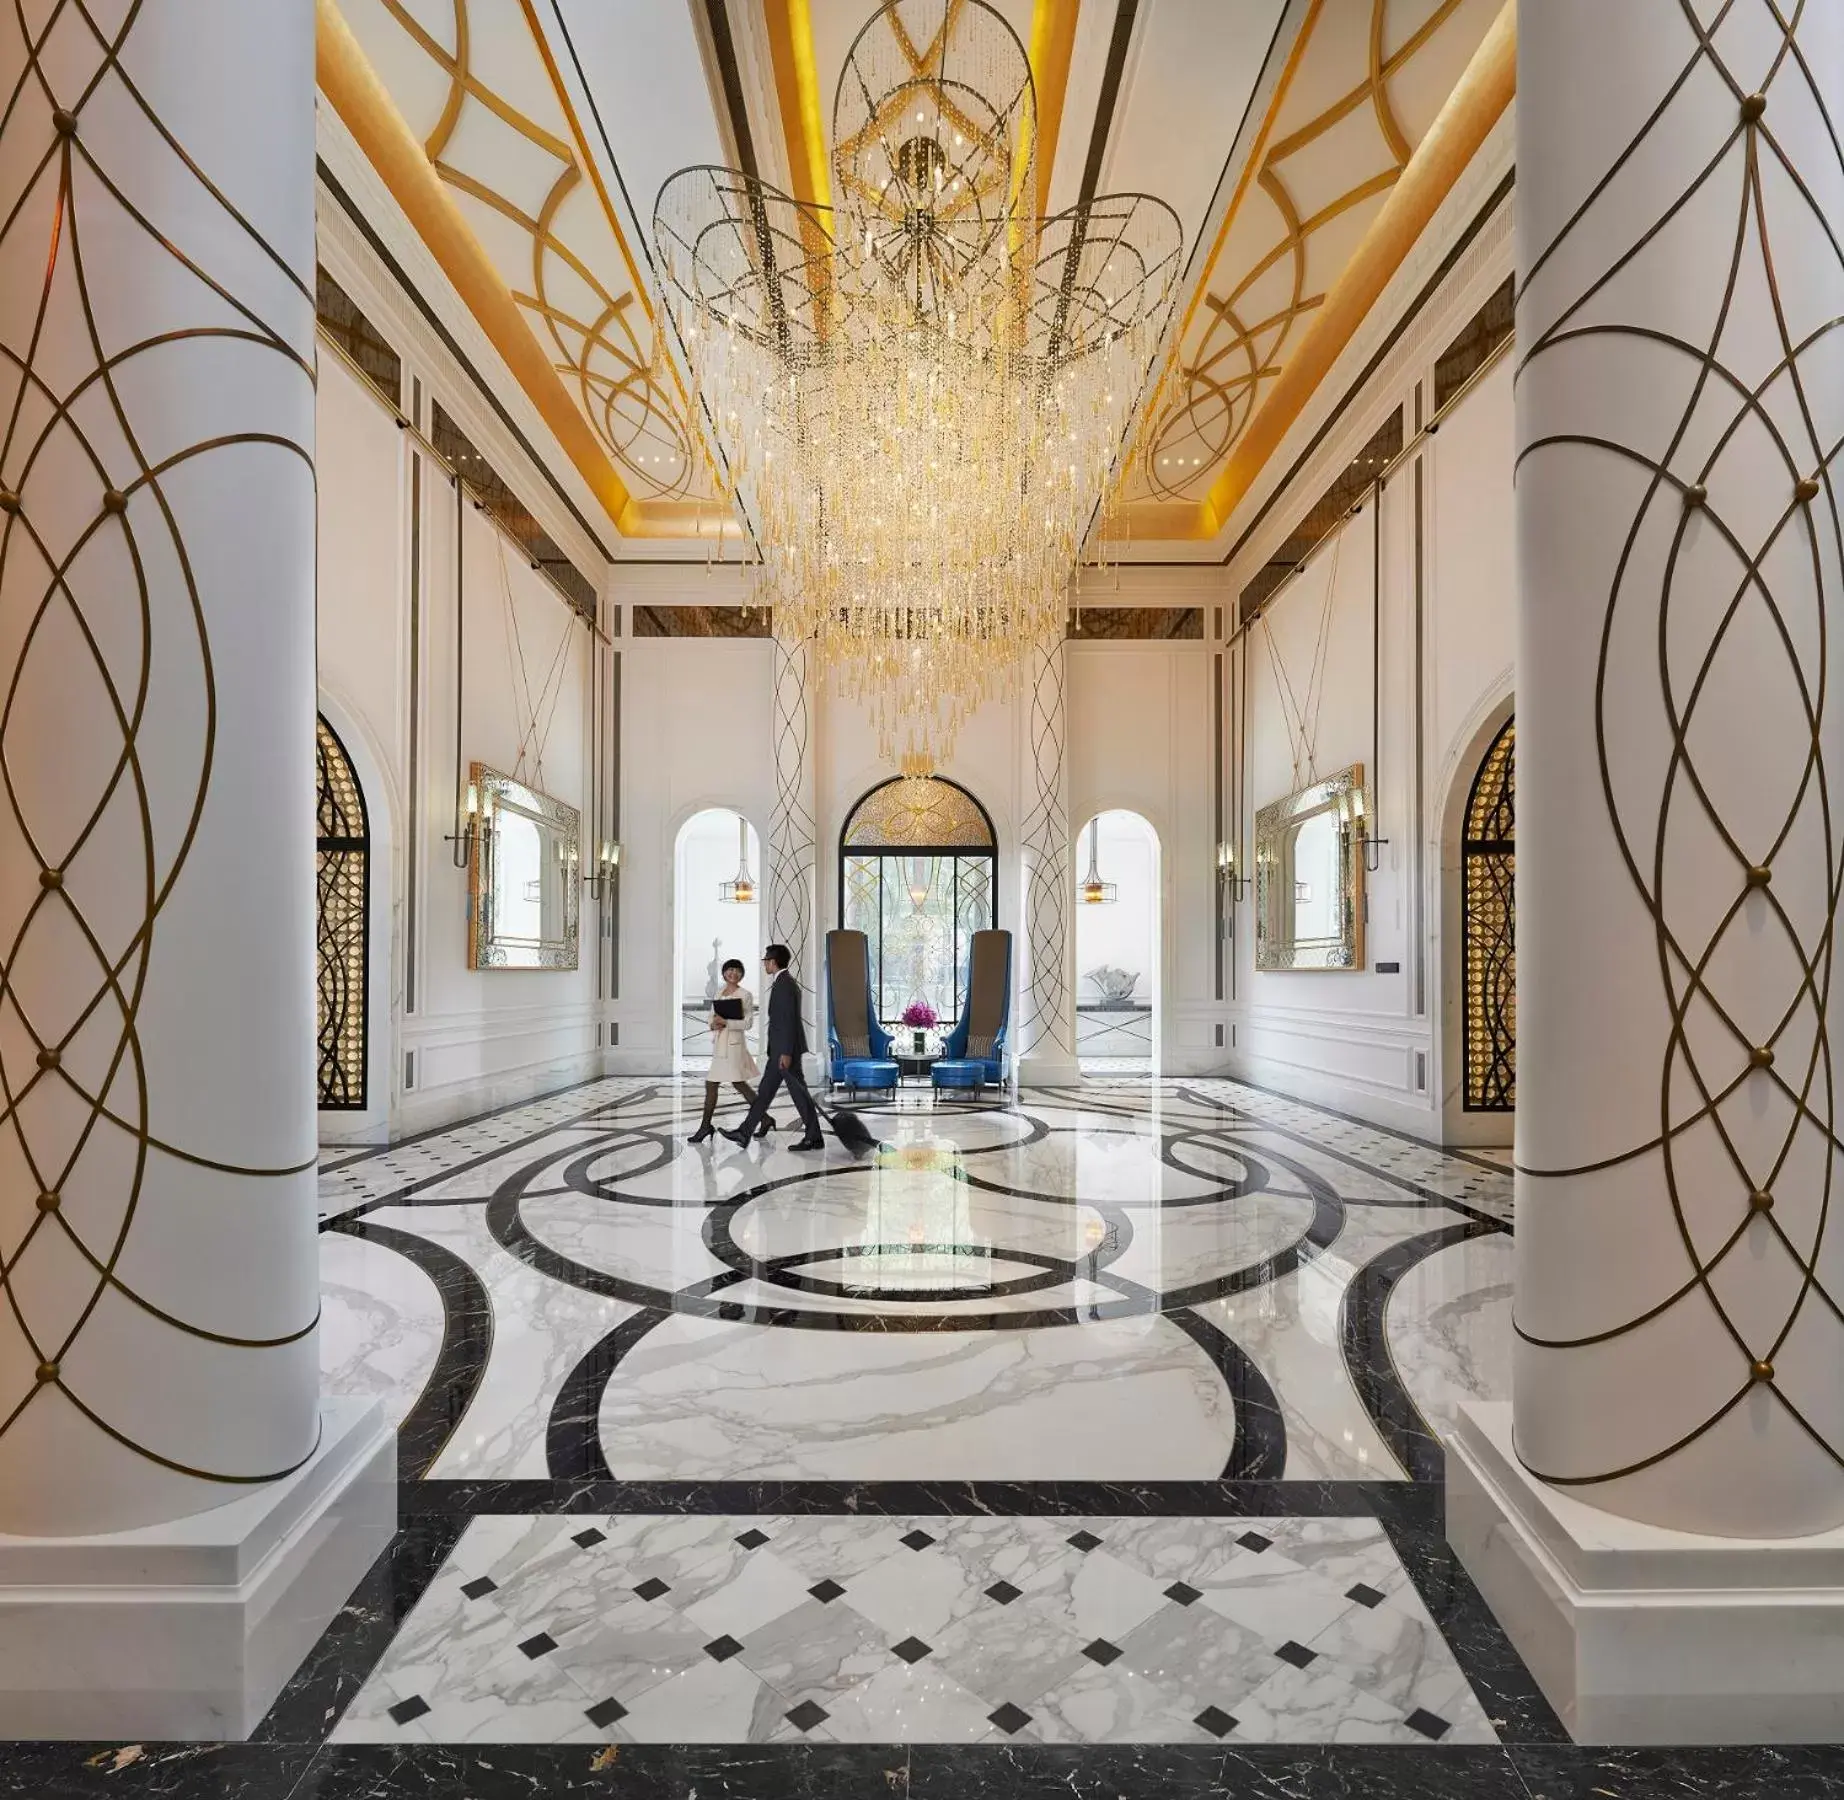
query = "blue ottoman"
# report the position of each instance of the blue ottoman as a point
(964, 1074)
(869, 1072)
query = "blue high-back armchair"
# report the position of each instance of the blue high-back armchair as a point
(986, 1013)
(852, 1031)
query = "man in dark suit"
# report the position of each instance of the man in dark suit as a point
(786, 1045)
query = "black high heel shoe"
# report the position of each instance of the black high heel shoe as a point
(765, 1128)
(704, 1131)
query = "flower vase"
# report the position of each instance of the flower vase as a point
(921, 1042)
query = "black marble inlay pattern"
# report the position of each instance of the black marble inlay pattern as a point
(290, 1760)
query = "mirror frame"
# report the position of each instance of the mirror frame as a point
(1342, 794)
(495, 790)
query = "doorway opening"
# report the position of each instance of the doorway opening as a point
(1118, 948)
(918, 875)
(717, 914)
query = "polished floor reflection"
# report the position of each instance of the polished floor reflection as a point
(1089, 1445)
(1188, 1281)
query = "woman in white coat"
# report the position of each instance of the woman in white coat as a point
(730, 1058)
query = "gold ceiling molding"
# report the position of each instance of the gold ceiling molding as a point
(1053, 43)
(797, 91)
(803, 121)
(1261, 304)
(578, 342)
(1461, 127)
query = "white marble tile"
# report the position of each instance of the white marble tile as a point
(1449, 1327)
(1084, 1637)
(907, 1703)
(1316, 1705)
(1110, 1706)
(380, 1323)
(702, 1398)
(541, 1330)
(761, 1591)
(714, 1703)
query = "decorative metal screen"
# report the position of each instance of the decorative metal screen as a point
(1488, 930)
(918, 874)
(343, 843)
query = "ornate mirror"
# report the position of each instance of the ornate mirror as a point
(1309, 876)
(525, 876)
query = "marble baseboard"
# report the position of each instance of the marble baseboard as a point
(1053, 1070)
(1639, 1635)
(189, 1630)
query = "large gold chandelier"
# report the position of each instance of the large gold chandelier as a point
(919, 397)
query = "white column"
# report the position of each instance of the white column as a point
(1677, 869)
(1648, 1521)
(157, 1213)
(1046, 1011)
(791, 828)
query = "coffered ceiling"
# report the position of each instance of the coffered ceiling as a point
(526, 139)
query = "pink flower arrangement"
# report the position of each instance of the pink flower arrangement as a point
(919, 1015)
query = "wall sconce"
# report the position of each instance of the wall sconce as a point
(1372, 847)
(469, 825)
(600, 880)
(1238, 885)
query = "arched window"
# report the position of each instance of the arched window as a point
(1488, 930)
(342, 840)
(918, 875)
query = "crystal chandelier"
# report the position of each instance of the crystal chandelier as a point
(919, 397)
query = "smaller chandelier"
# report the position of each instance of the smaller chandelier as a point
(1094, 891)
(740, 889)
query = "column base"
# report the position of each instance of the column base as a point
(1638, 1635)
(1048, 1071)
(190, 1629)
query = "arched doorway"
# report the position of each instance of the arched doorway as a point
(717, 914)
(342, 844)
(1488, 931)
(1117, 945)
(918, 875)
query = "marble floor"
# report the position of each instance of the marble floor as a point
(1086, 1442)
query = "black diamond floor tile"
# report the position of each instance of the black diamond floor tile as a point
(652, 1588)
(1365, 1596)
(1010, 1719)
(722, 1649)
(911, 1650)
(806, 1715)
(1216, 1721)
(1184, 1593)
(604, 1713)
(918, 1540)
(590, 1538)
(753, 1539)
(1003, 1592)
(1430, 1725)
(1253, 1540)
(1101, 1651)
(1297, 1654)
(407, 1710)
(541, 1645)
(826, 1592)
(1085, 1541)
(479, 1587)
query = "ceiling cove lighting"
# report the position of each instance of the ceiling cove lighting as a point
(920, 397)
